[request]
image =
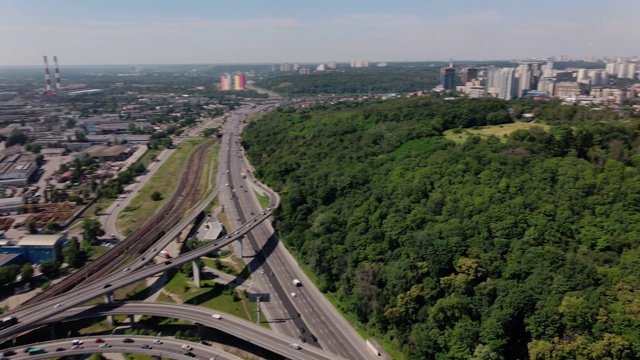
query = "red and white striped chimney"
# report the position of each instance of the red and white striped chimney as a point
(57, 73)
(47, 78)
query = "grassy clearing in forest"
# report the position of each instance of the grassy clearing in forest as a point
(500, 131)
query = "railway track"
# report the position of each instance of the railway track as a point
(145, 236)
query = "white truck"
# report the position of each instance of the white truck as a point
(296, 282)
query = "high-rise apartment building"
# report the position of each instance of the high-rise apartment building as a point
(546, 84)
(448, 77)
(226, 82)
(612, 69)
(285, 67)
(598, 77)
(332, 65)
(583, 76)
(632, 68)
(508, 84)
(525, 82)
(468, 74)
(239, 83)
(360, 63)
(622, 70)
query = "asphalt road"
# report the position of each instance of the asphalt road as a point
(317, 316)
(169, 348)
(230, 324)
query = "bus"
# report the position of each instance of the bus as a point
(34, 351)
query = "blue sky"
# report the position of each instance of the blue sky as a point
(264, 31)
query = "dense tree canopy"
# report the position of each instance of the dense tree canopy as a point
(520, 247)
(354, 81)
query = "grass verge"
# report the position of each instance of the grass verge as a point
(263, 200)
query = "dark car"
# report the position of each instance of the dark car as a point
(145, 346)
(190, 354)
(313, 338)
(127, 340)
(60, 349)
(303, 339)
(301, 330)
(106, 286)
(8, 353)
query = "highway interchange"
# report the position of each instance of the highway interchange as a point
(266, 254)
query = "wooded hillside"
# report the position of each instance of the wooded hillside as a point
(512, 248)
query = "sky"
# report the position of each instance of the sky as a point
(96, 32)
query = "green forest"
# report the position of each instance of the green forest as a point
(518, 247)
(354, 81)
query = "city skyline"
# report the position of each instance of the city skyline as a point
(169, 32)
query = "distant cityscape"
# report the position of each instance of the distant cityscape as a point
(531, 79)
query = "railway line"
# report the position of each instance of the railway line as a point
(165, 218)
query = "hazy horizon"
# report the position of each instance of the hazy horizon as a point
(167, 32)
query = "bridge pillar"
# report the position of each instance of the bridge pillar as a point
(132, 320)
(108, 299)
(52, 331)
(196, 272)
(241, 247)
(201, 331)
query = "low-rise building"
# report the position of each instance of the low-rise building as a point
(12, 204)
(36, 249)
(17, 169)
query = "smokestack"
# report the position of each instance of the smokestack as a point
(57, 73)
(47, 78)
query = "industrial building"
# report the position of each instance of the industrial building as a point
(112, 153)
(35, 249)
(16, 168)
(12, 204)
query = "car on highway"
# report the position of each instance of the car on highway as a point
(8, 353)
(313, 338)
(126, 269)
(106, 286)
(293, 294)
(301, 330)
(127, 340)
(145, 346)
(60, 349)
(186, 347)
(295, 346)
(57, 305)
(105, 345)
(190, 354)
(76, 342)
(216, 316)
(76, 347)
(157, 342)
(99, 340)
(303, 339)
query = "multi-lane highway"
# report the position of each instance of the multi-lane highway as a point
(274, 268)
(163, 347)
